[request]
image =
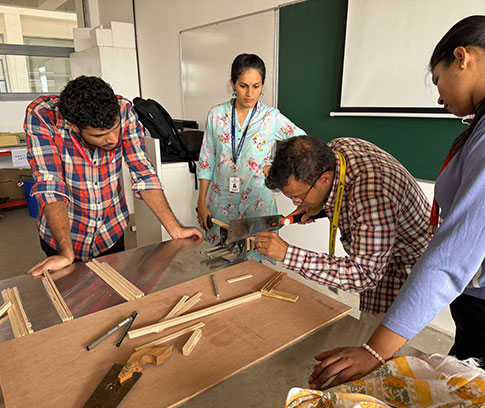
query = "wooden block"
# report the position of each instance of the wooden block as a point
(192, 342)
(239, 278)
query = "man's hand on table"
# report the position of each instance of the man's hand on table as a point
(345, 363)
(50, 264)
(270, 244)
(186, 232)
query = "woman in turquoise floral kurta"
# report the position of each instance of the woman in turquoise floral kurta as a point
(265, 125)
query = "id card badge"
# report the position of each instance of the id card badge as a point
(234, 184)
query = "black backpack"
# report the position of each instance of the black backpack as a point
(161, 126)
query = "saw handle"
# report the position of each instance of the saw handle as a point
(294, 219)
(152, 355)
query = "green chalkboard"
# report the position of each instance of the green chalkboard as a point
(311, 47)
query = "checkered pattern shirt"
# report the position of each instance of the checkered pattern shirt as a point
(383, 226)
(94, 198)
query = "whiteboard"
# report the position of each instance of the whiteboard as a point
(207, 53)
(388, 45)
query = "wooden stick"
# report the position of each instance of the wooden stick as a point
(62, 309)
(278, 294)
(14, 324)
(19, 321)
(277, 278)
(220, 223)
(120, 280)
(239, 278)
(190, 303)
(110, 281)
(137, 292)
(183, 307)
(7, 305)
(176, 308)
(23, 315)
(158, 327)
(172, 336)
(192, 342)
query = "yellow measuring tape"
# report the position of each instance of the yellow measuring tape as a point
(338, 203)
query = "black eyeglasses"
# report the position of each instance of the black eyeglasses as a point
(299, 200)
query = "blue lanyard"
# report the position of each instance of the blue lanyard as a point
(235, 154)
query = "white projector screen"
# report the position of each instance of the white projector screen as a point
(388, 44)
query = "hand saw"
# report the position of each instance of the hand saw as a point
(121, 378)
(248, 227)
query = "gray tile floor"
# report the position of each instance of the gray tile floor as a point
(20, 249)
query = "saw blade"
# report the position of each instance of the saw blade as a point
(248, 227)
(110, 392)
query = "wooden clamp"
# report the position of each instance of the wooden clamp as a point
(151, 355)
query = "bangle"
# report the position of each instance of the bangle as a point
(374, 353)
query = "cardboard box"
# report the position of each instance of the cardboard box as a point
(8, 183)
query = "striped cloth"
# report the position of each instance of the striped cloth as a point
(95, 202)
(383, 225)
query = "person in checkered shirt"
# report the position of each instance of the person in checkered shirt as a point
(383, 221)
(76, 143)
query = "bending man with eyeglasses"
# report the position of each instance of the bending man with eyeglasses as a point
(380, 210)
(76, 143)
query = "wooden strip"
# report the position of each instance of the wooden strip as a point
(190, 303)
(220, 223)
(176, 308)
(136, 291)
(58, 301)
(11, 313)
(239, 278)
(116, 277)
(4, 308)
(14, 316)
(158, 327)
(278, 294)
(110, 281)
(172, 336)
(277, 278)
(52, 297)
(3, 319)
(23, 315)
(184, 307)
(67, 315)
(192, 342)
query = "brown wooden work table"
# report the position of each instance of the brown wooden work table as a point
(157, 267)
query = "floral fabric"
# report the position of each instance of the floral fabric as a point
(436, 381)
(266, 127)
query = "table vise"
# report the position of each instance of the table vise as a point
(233, 252)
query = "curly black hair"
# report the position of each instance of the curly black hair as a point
(303, 157)
(89, 101)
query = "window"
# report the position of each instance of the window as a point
(34, 50)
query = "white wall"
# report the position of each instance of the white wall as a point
(12, 115)
(158, 23)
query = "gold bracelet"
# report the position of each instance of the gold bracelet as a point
(374, 353)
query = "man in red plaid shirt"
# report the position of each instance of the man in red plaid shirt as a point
(76, 143)
(383, 222)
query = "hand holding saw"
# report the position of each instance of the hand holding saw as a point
(248, 227)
